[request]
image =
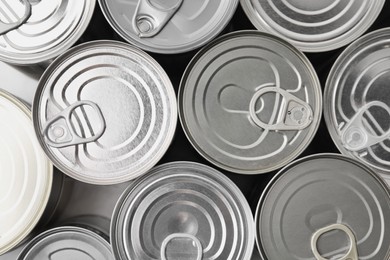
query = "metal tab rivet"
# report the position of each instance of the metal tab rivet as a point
(149, 19)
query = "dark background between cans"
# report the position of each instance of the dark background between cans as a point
(180, 149)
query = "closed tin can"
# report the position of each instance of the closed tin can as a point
(105, 112)
(26, 174)
(35, 31)
(314, 26)
(324, 206)
(357, 110)
(250, 102)
(182, 210)
(168, 27)
(67, 243)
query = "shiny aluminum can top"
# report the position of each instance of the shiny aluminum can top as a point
(182, 210)
(324, 206)
(105, 112)
(250, 102)
(314, 26)
(173, 26)
(34, 31)
(67, 243)
(26, 174)
(357, 103)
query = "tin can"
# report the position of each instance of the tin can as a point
(35, 31)
(250, 102)
(21, 81)
(168, 27)
(314, 26)
(324, 206)
(105, 112)
(182, 210)
(67, 243)
(26, 174)
(357, 110)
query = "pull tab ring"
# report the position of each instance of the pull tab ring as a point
(352, 252)
(294, 113)
(178, 237)
(149, 20)
(6, 27)
(59, 132)
(355, 137)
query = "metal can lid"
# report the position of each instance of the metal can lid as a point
(314, 26)
(67, 243)
(105, 112)
(33, 31)
(168, 27)
(325, 203)
(182, 210)
(26, 174)
(357, 110)
(250, 102)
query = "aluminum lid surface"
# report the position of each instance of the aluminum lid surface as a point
(33, 31)
(26, 174)
(105, 112)
(357, 110)
(173, 26)
(314, 26)
(182, 210)
(67, 243)
(250, 102)
(324, 191)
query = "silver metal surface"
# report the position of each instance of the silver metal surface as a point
(32, 32)
(357, 110)
(67, 243)
(173, 26)
(182, 210)
(105, 112)
(314, 26)
(336, 200)
(250, 102)
(20, 81)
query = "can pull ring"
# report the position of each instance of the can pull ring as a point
(352, 252)
(6, 27)
(355, 136)
(294, 113)
(150, 19)
(181, 246)
(60, 131)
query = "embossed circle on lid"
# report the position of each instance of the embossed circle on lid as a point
(314, 26)
(323, 192)
(250, 102)
(37, 31)
(26, 174)
(173, 26)
(182, 210)
(105, 112)
(67, 243)
(357, 110)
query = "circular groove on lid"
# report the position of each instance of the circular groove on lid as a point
(180, 205)
(121, 111)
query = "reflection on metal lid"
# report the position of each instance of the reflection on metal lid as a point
(183, 210)
(250, 102)
(26, 174)
(105, 112)
(173, 26)
(357, 101)
(67, 243)
(328, 206)
(36, 31)
(314, 25)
